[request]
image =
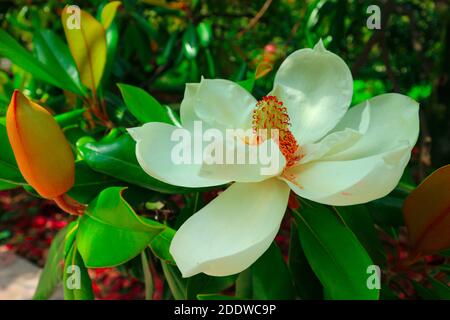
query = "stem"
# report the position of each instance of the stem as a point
(70, 205)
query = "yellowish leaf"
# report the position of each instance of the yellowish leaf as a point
(87, 45)
(427, 213)
(262, 69)
(109, 12)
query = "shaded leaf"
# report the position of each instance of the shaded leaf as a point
(307, 285)
(427, 213)
(334, 253)
(204, 284)
(359, 220)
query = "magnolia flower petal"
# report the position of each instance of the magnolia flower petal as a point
(331, 144)
(232, 231)
(170, 154)
(316, 86)
(393, 119)
(220, 103)
(236, 160)
(187, 112)
(371, 166)
(349, 182)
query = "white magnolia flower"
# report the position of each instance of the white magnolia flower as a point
(331, 154)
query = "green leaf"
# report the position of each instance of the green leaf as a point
(143, 106)
(161, 243)
(268, 278)
(423, 292)
(306, 283)
(7, 186)
(89, 183)
(12, 50)
(359, 220)
(441, 289)
(148, 280)
(334, 253)
(190, 43)
(387, 211)
(203, 284)
(248, 84)
(52, 273)
(9, 171)
(110, 233)
(74, 267)
(204, 32)
(118, 159)
(54, 54)
(176, 283)
(70, 118)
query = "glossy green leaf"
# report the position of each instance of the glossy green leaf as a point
(204, 32)
(69, 118)
(190, 42)
(335, 254)
(143, 106)
(161, 243)
(307, 285)
(52, 273)
(118, 159)
(12, 50)
(54, 54)
(89, 183)
(204, 284)
(110, 233)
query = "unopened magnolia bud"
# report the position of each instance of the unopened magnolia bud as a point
(42, 152)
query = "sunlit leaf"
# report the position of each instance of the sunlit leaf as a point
(143, 106)
(110, 233)
(88, 47)
(109, 12)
